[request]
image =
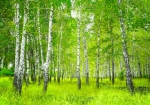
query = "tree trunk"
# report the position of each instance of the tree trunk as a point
(58, 71)
(125, 53)
(86, 60)
(113, 74)
(17, 15)
(59, 55)
(78, 53)
(53, 65)
(21, 62)
(139, 67)
(109, 70)
(27, 63)
(62, 77)
(2, 62)
(112, 51)
(98, 59)
(40, 43)
(46, 64)
(37, 60)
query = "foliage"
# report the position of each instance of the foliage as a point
(96, 15)
(6, 72)
(121, 75)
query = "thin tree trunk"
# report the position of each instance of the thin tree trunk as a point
(139, 67)
(112, 51)
(78, 53)
(17, 45)
(2, 61)
(27, 63)
(46, 64)
(86, 60)
(62, 77)
(71, 72)
(98, 59)
(37, 60)
(40, 43)
(32, 63)
(53, 65)
(113, 74)
(58, 71)
(125, 53)
(109, 70)
(59, 55)
(21, 62)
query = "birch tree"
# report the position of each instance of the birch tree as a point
(40, 44)
(98, 58)
(17, 16)
(86, 59)
(78, 51)
(112, 50)
(46, 64)
(125, 52)
(59, 55)
(22, 51)
(27, 61)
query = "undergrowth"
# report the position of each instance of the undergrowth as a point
(67, 93)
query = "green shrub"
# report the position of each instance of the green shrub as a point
(121, 75)
(6, 72)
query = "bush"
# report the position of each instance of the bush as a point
(121, 75)
(6, 72)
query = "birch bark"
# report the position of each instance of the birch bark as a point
(125, 52)
(17, 45)
(40, 43)
(21, 62)
(46, 64)
(86, 60)
(78, 53)
(27, 63)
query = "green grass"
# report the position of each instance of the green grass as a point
(67, 93)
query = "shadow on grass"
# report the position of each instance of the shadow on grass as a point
(141, 90)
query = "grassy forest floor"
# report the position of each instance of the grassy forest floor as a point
(67, 93)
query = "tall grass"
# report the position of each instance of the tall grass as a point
(67, 94)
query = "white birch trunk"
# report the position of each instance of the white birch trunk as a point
(27, 63)
(78, 53)
(21, 62)
(37, 58)
(40, 36)
(17, 45)
(125, 53)
(46, 64)
(86, 60)
(41, 48)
